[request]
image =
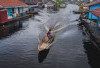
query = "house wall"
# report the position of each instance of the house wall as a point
(25, 9)
(3, 16)
(9, 12)
(92, 8)
(91, 16)
(16, 10)
(20, 10)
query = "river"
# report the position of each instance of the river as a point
(20, 48)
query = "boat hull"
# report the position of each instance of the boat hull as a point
(43, 45)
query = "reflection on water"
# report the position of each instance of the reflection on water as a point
(42, 55)
(93, 54)
(8, 29)
(4, 31)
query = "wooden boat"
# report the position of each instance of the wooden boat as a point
(62, 5)
(45, 43)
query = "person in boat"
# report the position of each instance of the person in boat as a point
(49, 36)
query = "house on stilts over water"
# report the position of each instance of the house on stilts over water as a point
(14, 8)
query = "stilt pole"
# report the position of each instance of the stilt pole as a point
(90, 20)
(96, 27)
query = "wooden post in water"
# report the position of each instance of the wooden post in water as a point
(96, 27)
(86, 19)
(90, 20)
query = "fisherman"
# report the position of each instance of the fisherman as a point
(49, 35)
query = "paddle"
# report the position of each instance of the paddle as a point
(47, 27)
(55, 30)
(57, 24)
(38, 36)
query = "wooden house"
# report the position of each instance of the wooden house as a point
(3, 15)
(92, 6)
(96, 12)
(14, 7)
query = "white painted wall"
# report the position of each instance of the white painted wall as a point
(16, 12)
(25, 9)
(10, 17)
(91, 0)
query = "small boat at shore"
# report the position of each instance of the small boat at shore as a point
(62, 5)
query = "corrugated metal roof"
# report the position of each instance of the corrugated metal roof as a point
(96, 12)
(97, 9)
(90, 4)
(10, 3)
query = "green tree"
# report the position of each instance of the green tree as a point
(58, 4)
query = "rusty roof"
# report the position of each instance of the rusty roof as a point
(96, 12)
(90, 4)
(10, 3)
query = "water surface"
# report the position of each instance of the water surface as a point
(19, 50)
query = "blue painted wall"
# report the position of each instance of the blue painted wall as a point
(20, 10)
(92, 16)
(9, 12)
(92, 8)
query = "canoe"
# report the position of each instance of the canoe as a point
(45, 43)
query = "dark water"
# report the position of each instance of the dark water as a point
(19, 49)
